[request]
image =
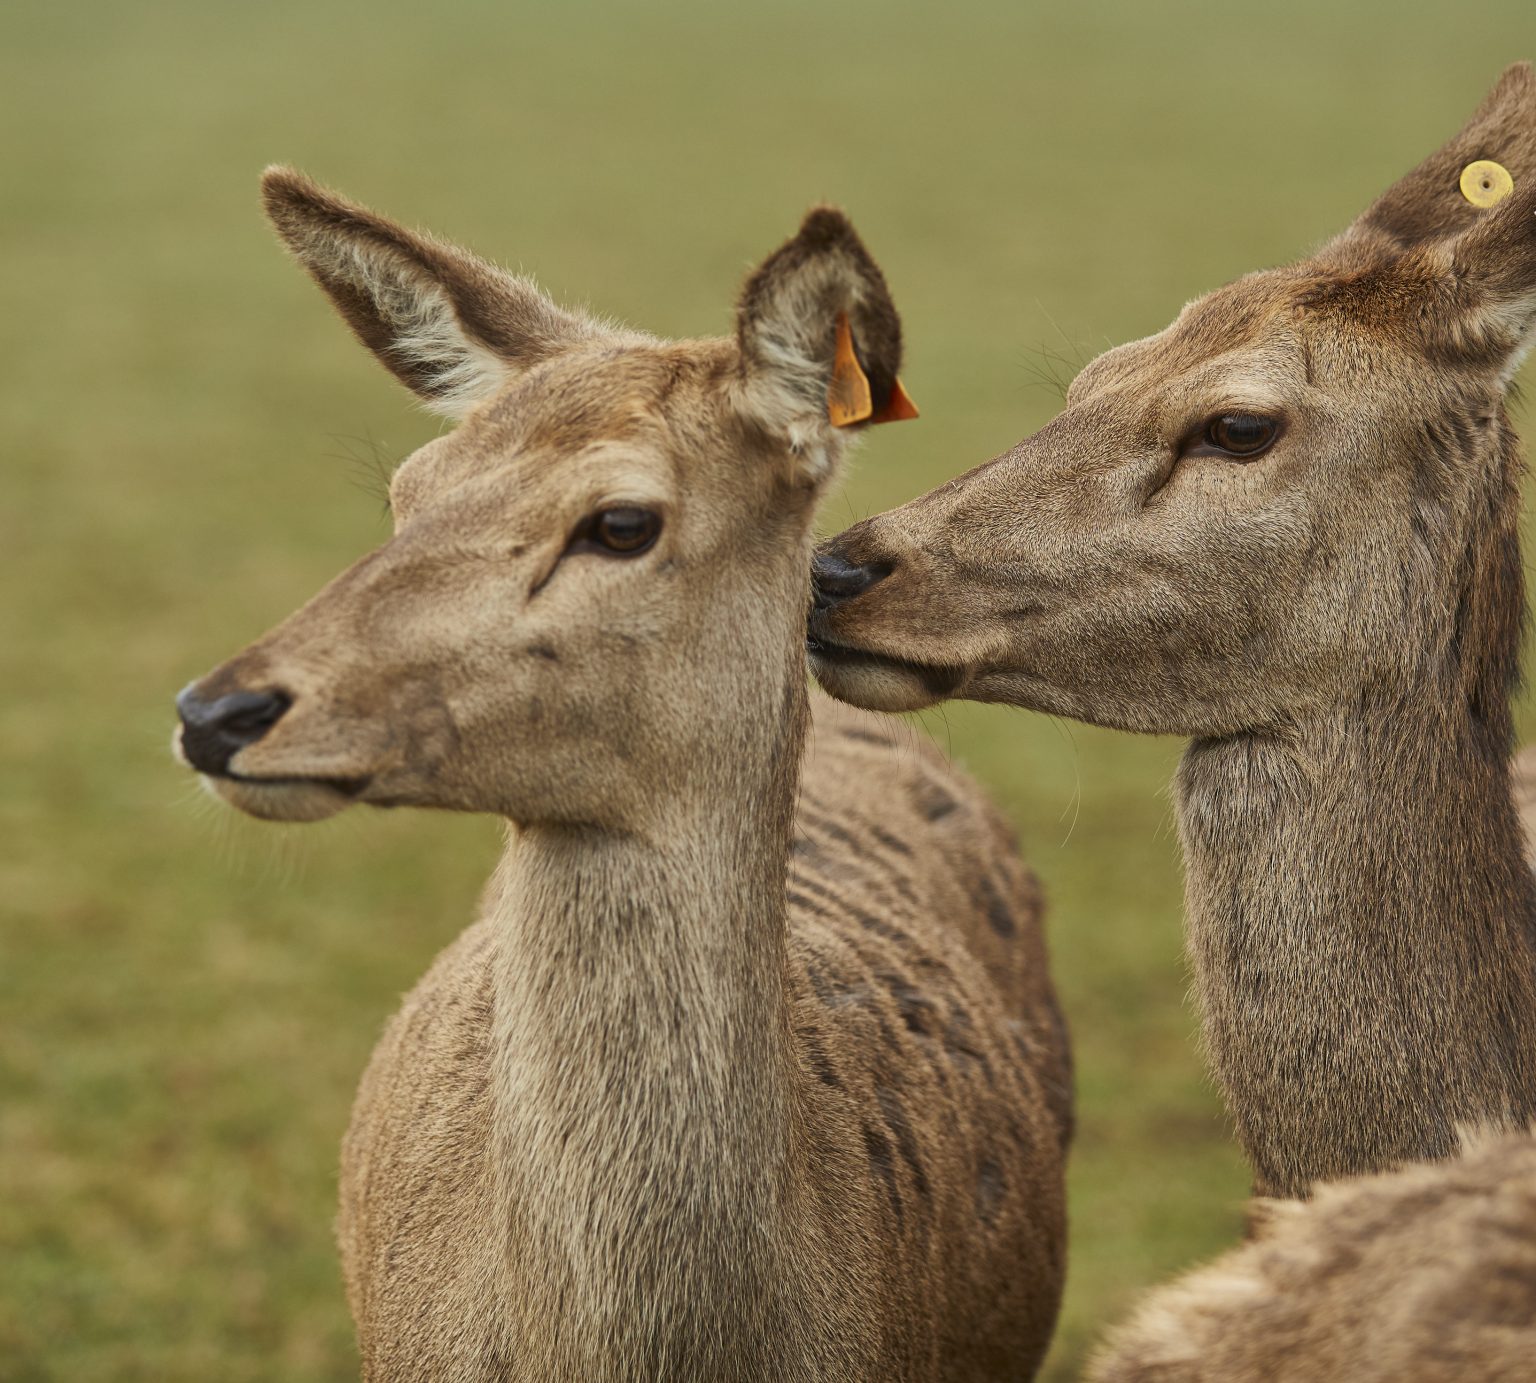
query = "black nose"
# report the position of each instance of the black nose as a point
(834, 579)
(213, 731)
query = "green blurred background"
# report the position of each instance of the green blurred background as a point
(187, 999)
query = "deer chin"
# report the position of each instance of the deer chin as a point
(286, 799)
(880, 681)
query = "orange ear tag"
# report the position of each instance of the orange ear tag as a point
(1485, 182)
(848, 397)
(898, 408)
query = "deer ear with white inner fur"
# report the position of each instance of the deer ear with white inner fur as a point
(449, 326)
(1493, 272)
(820, 342)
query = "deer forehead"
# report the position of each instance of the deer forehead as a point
(604, 392)
(1244, 337)
(623, 424)
(527, 490)
(1300, 356)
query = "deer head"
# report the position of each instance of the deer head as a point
(1301, 492)
(596, 589)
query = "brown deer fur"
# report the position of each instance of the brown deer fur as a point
(1334, 624)
(742, 1074)
(1424, 1275)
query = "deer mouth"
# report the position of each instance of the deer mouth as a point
(286, 799)
(271, 797)
(879, 681)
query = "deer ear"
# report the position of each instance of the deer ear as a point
(449, 326)
(1428, 204)
(1491, 271)
(820, 341)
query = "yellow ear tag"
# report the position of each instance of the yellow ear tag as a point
(848, 399)
(1485, 182)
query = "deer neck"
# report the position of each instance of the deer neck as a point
(644, 1082)
(1362, 929)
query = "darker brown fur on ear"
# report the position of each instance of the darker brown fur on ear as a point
(425, 308)
(1497, 256)
(303, 213)
(1470, 300)
(1427, 204)
(787, 316)
(1457, 278)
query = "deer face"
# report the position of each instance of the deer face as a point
(1274, 504)
(596, 589)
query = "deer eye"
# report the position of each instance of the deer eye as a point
(1245, 435)
(625, 532)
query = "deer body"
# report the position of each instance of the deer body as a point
(820, 1115)
(1287, 528)
(1422, 1275)
(736, 1077)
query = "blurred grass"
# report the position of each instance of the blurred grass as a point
(187, 1000)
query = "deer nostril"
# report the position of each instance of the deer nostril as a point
(213, 732)
(250, 721)
(834, 579)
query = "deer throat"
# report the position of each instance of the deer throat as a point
(644, 1109)
(1360, 929)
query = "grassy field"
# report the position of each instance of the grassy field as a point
(187, 1000)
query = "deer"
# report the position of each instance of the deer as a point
(746, 1070)
(1286, 528)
